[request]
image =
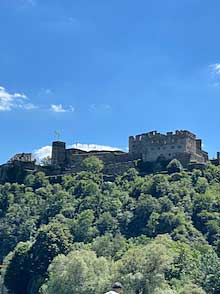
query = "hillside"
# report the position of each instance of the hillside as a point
(156, 234)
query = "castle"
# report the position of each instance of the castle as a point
(182, 145)
(149, 147)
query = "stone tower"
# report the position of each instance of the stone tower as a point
(58, 153)
(182, 145)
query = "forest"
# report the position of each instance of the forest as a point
(155, 233)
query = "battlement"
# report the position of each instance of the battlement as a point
(155, 137)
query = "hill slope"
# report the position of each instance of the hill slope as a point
(156, 234)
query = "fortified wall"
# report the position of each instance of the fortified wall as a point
(149, 147)
(72, 159)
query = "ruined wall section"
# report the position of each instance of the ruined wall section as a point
(71, 160)
(74, 159)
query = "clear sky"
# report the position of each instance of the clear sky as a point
(101, 70)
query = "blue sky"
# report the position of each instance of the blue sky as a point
(99, 71)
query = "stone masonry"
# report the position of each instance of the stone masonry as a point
(147, 148)
(154, 146)
(73, 158)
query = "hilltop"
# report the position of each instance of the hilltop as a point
(157, 233)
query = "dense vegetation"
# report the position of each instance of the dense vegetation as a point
(156, 234)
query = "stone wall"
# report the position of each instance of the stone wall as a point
(108, 157)
(118, 168)
(150, 147)
(58, 153)
(153, 145)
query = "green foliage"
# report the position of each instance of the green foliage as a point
(174, 166)
(80, 272)
(82, 228)
(46, 161)
(110, 246)
(28, 266)
(201, 185)
(117, 225)
(93, 164)
(142, 268)
(209, 274)
(17, 276)
(51, 240)
(191, 289)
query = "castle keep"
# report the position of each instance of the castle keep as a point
(153, 146)
(149, 148)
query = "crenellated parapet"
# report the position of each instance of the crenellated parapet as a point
(155, 137)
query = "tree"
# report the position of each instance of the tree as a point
(36, 181)
(201, 185)
(142, 268)
(51, 240)
(159, 185)
(174, 166)
(28, 266)
(17, 225)
(17, 275)
(46, 161)
(110, 246)
(145, 206)
(80, 272)
(93, 164)
(82, 227)
(209, 276)
(191, 289)
(107, 223)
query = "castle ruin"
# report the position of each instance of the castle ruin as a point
(151, 147)
(148, 147)
(154, 146)
(72, 158)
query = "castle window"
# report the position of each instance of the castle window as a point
(172, 147)
(179, 147)
(158, 148)
(169, 154)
